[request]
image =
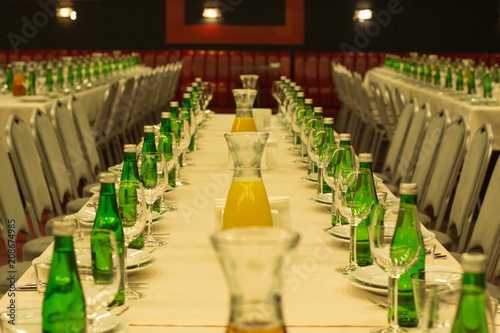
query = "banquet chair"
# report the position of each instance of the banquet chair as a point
(385, 118)
(11, 208)
(57, 172)
(435, 196)
(389, 102)
(100, 125)
(392, 158)
(344, 112)
(68, 138)
(400, 100)
(411, 146)
(429, 148)
(85, 136)
(467, 191)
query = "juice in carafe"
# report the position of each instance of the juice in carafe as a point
(247, 205)
(244, 124)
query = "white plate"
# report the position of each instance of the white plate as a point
(116, 168)
(374, 289)
(142, 266)
(313, 177)
(137, 257)
(375, 276)
(105, 321)
(342, 231)
(33, 99)
(86, 216)
(121, 327)
(335, 236)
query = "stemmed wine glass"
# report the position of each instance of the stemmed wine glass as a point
(314, 142)
(172, 166)
(395, 247)
(183, 144)
(154, 178)
(132, 208)
(100, 273)
(354, 196)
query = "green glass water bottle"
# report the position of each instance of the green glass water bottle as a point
(87, 72)
(71, 76)
(96, 71)
(460, 80)
(328, 142)
(344, 159)
(300, 110)
(60, 77)
(149, 146)
(496, 74)
(177, 125)
(49, 81)
(186, 114)
(448, 80)
(10, 77)
(165, 144)
(437, 77)
(415, 70)
(471, 84)
(407, 314)
(108, 217)
(422, 71)
(63, 308)
(31, 82)
(471, 314)
(363, 253)
(195, 95)
(487, 86)
(126, 202)
(79, 73)
(318, 125)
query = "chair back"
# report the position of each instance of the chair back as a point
(382, 111)
(27, 165)
(68, 137)
(102, 119)
(391, 105)
(85, 136)
(486, 235)
(449, 159)
(11, 205)
(59, 177)
(400, 100)
(392, 158)
(412, 143)
(469, 186)
(429, 148)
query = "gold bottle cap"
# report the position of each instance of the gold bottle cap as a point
(408, 189)
(365, 158)
(130, 148)
(474, 263)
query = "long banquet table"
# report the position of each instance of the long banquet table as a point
(187, 291)
(476, 114)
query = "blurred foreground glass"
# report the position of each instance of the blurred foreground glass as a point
(249, 81)
(254, 261)
(27, 320)
(436, 298)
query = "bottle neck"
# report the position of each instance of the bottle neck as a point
(149, 145)
(63, 245)
(166, 126)
(107, 200)
(471, 279)
(130, 171)
(409, 199)
(174, 112)
(345, 143)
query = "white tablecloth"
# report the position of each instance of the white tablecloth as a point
(475, 114)
(187, 291)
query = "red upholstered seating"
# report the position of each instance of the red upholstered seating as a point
(187, 72)
(298, 68)
(235, 60)
(310, 85)
(494, 59)
(148, 58)
(52, 54)
(3, 57)
(337, 57)
(325, 80)
(272, 75)
(62, 53)
(211, 72)
(349, 61)
(161, 58)
(26, 55)
(223, 92)
(198, 64)
(13, 56)
(361, 63)
(174, 55)
(260, 59)
(373, 60)
(286, 64)
(247, 60)
(75, 53)
(483, 57)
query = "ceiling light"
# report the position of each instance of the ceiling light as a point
(362, 15)
(211, 13)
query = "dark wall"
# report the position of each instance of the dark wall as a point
(403, 26)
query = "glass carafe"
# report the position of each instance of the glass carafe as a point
(249, 81)
(244, 119)
(254, 261)
(247, 203)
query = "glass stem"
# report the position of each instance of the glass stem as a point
(320, 178)
(352, 247)
(125, 276)
(392, 308)
(150, 221)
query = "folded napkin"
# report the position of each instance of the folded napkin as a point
(280, 210)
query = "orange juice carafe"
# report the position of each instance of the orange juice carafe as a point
(244, 101)
(247, 203)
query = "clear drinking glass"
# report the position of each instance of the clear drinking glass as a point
(254, 261)
(354, 197)
(391, 254)
(249, 81)
(133, 215)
